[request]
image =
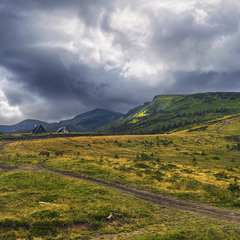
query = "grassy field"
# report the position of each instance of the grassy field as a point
(199, 164)
(37, 205)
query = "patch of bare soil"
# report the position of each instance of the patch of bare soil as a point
(6, 167)
(119, 235)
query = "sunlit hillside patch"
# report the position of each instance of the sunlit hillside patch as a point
(134, 121)
(142, 114)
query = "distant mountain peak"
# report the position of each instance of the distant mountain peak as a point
(88, 121)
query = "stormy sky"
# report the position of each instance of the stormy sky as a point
(60, 58)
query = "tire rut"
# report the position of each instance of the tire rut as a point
(204, 210)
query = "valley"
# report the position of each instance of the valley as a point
(49, 198)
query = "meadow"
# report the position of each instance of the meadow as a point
(199, 164)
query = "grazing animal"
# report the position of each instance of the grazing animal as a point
(44, 153)
(57, 153)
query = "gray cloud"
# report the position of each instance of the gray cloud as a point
(194, 82)
(61, 58)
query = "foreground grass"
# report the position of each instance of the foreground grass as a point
(196, 165)
(38, 205)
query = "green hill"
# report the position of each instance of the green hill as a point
(85, 122)
(91, 120)
(168, 112)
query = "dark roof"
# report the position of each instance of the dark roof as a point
(38, 129)
(62, 129)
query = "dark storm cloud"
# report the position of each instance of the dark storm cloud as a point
(195, 82)
(40, 70)
(81, 55)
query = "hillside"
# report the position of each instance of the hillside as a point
(168, 112)
(26, 124)
(163, 114)
(85, 122)
(91, 120)
(86, 193)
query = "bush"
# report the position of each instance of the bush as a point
(187, 184)
(158, 175)
(234, 187)
(221, 175)
(44, 228)
(10, 223)
(218, 194)
(141, 165)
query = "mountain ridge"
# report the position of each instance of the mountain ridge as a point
(75, 124)
(168, 112)
(164, 113)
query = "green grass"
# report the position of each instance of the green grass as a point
(195, 165)
(37, 205)
(41, 204)
(166, 113)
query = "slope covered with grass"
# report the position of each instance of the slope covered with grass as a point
(200, 164)
(39, 205)
(168, 112)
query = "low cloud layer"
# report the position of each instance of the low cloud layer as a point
(59, 58)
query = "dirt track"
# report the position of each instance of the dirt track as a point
(223, 126)
(208, 211)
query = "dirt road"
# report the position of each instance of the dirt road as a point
(223, 126)
(208, 211)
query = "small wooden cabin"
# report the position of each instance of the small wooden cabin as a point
(38, 129)
(63, 130)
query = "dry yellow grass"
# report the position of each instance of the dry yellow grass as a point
(197, 166)
(180, 163)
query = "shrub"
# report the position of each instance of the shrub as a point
(46, 214)
(218, 194)
(203, 153)
(234, 187)
(187, 184)
(158, 175)
(44, 228)
(194, 161)
(145, 157)
(141, 165)
(221, 175)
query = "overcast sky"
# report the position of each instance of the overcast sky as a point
(59, 58)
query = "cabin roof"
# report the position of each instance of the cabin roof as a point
(61, 129)
(38, 129)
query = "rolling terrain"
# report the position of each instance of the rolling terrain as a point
(164, 114)
(86, 122)
(169, 112)
(87, 192)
